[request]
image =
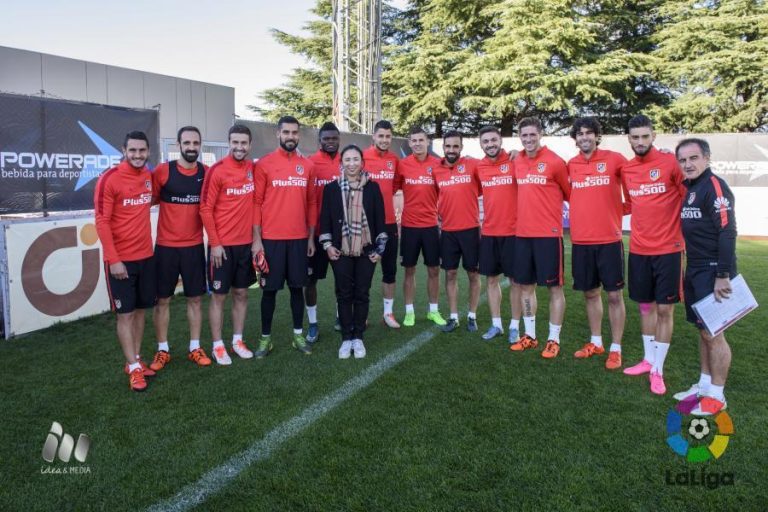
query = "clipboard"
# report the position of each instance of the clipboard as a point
(718, 316)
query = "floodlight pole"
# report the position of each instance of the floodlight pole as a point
(356, 64)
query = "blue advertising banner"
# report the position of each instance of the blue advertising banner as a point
(52, 151)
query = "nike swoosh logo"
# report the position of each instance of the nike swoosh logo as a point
(199, 180)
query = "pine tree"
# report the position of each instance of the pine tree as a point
(557, 60)
(422, 85)
(308, 93)
(713, 56)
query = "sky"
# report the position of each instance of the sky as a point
(226, 42)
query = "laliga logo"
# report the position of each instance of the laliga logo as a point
(700, 430)
(35, 289)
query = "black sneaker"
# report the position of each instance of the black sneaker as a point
(451, 326)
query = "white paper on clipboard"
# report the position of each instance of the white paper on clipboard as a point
(718, 316)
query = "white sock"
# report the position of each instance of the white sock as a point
(649, 348)
(514, 325)
(298, 331)
(432, 308)
(472, 316)
(554, 332)
(312, 314)
(530, 326)
(716, 392)
(194, 345)
(388, 303)
(138, 357)
(704, 382)
(236, 338)
(615, 347)
(218, 343)
(133, 366)
(660, 354)
(163, 345)
(496, 321)
(408, 308)
(596, 341)
(455, 316)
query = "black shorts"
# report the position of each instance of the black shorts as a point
(389, 258)
(235, 272)
(593, 265)
(464, 245)
(699, 282)
(657, 278)
(136, 292)
(287, 260)
(539, 260)
(417, 241)
(497, 255)
(187, 262)
(318, 263)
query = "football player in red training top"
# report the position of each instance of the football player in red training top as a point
(419, 224)
(597, 259)
(121, 201)
(227, 211)
(179, 250)
(542, 186)
(653, 186)
(497, 245)
(285, 219)
(458, 190)
(327, 169)
(381, 165)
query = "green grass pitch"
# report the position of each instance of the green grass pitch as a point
(460, 424)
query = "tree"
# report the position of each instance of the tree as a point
(555, 60)
(421, 83)
(308, 94)
(713, 56)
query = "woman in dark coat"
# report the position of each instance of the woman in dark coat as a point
(352, 233)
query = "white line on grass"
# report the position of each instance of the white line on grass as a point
(217, 478)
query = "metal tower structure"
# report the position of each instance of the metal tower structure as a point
(356, 64)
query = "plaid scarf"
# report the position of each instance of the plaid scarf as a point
(355, 233)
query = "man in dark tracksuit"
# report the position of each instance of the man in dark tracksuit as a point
(709, 229)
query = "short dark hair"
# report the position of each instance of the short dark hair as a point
(488, 129)
(452, 133)
(703, 145)
(639, 121)
(351, 147)
(417, 130)
(188, 129)
(135, 135)
(590, 123)
(328, 127)
(530, 121)
(239, 128)
(287, 120)
(382, 125)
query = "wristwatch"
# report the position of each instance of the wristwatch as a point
(722, 275)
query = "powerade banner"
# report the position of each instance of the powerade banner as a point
(52, 151)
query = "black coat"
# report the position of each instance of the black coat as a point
(332, 216)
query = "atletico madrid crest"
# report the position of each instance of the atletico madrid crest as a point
(299, 170)
(691, 197)
(601, 167)
(249, 175)
(504, 168)
(429, 170)
(655, 174)
(460, 168)
(148, 184)
(390, 164)
(541, 167)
